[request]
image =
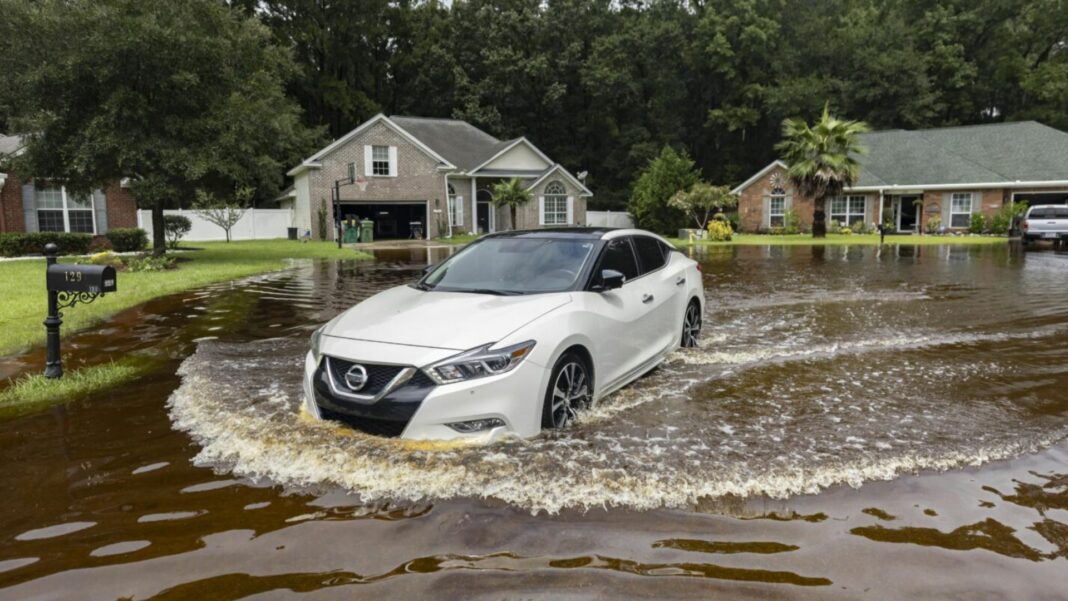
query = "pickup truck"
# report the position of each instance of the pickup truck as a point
(1045, 222)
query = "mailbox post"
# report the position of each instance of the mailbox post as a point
(68, 285)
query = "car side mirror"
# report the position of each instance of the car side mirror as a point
(610, 280)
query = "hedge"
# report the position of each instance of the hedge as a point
(17, 244)
(127, 239)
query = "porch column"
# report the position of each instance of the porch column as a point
(474, 206)
(879, 217)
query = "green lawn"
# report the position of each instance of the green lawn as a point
(34, 391)
(24, 304)
(842, 240)
(459, 239)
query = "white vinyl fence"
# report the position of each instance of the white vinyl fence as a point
(609, 219)
(255, 224)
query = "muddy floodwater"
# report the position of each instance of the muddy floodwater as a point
(857, 424)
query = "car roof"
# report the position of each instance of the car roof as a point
(589, 233)
(1060, 206)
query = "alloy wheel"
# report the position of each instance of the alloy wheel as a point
(571, 393)
(691, 326)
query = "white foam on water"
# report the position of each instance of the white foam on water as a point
(651, 445)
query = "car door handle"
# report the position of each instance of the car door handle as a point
(647, 298)
(680, 280)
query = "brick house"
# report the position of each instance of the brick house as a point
(30, 204)
(912, 176)
(426, 177)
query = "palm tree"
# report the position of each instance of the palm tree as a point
(511, 194)
(822, 160)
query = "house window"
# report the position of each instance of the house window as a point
(849, 210)
(777, 208)
(960, 209)
(456, 208)
(555, 204)
(380, 160)
(61, 211)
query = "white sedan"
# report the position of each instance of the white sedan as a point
(517, 332)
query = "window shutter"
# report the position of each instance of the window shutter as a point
(570, 210)
(367, 158)
(100, 210)
(393, 161)
(765, 216)
(947, 211)
(977, 202)
(29, 207)
(459, 210)
(541, 212)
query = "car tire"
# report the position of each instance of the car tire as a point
(570, 391)
(691, 325)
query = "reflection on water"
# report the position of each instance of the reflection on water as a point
(818, 367)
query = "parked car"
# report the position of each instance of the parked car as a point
(516, 332)
(1045, 222)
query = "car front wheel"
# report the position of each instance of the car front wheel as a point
(570, 391)
(691, 325)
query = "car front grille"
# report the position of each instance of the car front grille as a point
(378, 376)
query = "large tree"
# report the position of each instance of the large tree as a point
(821, 159)
(670, 172)
(175, 96)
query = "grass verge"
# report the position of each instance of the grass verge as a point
(459, 239)
(23, 306)
(842, 240)
(31, 392)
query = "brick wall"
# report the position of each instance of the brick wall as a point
(122, 207)
(751, 203)
(11, 205)
(417, 177)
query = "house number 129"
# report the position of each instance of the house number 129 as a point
(73, 276)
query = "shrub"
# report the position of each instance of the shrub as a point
(100, 244)
(106, 258)
(149, 263)
(175, 227)
(845, 231)
(17, 244)
(719, 231)
(128, 239)
(933, 225)
(777, 231)
(978, 224)
(791, 221)
(859, 227)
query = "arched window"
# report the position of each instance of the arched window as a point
(554, 205)
(456, 207)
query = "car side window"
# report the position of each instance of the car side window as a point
(650, 252)
(619, 257)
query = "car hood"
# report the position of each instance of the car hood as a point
(448, 320)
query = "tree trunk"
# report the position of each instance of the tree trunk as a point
(515, 225)
(819, 218)
(159, 234)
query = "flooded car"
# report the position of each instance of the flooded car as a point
(517, 332)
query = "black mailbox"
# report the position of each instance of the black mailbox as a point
(94, 279)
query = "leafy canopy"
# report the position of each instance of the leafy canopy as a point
(177, 96)
(822, 159)
(701, 199)
(670, 172)
(512, 194)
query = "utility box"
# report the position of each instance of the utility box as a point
(367, 231)
(94, 279)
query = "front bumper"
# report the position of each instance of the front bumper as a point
(417, 411)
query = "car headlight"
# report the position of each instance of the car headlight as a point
(316, 340)
(479, 363)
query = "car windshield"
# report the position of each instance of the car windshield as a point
(512, 266)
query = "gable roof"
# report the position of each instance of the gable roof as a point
(312, 162)
(997, 154)
(461, 143)
(558, 168)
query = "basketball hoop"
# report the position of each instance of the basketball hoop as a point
(361, 182)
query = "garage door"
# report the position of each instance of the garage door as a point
(393, 221)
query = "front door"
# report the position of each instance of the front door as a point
(906, 217)
(483, 217)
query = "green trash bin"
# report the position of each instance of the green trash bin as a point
(351, 231)
(367, 231)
